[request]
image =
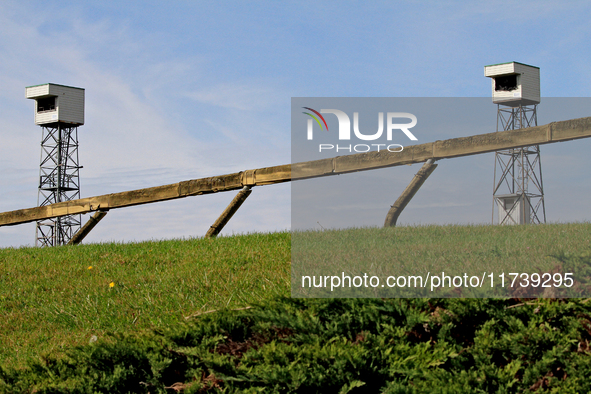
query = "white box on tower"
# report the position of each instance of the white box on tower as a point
(57, 103)
(514, 84)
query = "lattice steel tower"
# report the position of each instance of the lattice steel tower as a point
(59, 110)
(518, 191)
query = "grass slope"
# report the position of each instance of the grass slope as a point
(54, 299)
(58, 297)
(455, 250)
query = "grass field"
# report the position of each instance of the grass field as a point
(54, 299)
(58, 297)
(455, 250)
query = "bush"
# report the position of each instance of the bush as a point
(337, 346)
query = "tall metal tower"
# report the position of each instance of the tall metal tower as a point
(59, 110)
(518, 192)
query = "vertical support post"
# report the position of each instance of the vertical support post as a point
(219, 224)
(408, 193)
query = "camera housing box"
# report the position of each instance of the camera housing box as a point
(57, 104)
(514, 84)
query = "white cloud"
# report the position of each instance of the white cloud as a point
(236, 96)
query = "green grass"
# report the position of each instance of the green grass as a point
(454, 250)
(52, 298)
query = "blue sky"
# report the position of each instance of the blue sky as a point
(186, 89)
